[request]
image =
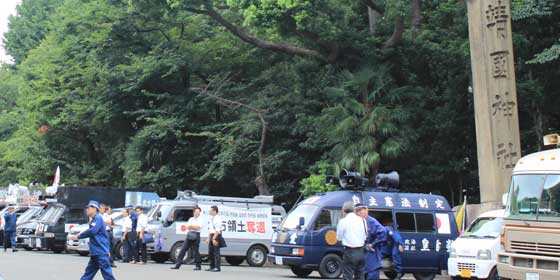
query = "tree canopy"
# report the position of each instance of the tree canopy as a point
(257, 96)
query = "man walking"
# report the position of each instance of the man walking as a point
(377, 237)
(352, 232)
(192, 241)
(10, 221)
(141, 255)
(98, 245)
(214, 238)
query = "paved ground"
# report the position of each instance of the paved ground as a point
(24, 265)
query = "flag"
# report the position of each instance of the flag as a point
(461, 216)
(56, 180)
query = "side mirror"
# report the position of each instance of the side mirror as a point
(504, 199)
(301, 222)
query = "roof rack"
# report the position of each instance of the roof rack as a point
(188, 195)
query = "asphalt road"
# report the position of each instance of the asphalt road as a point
(25, 265)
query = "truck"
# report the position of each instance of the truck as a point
(247, 226)
(66, 211)
(531, 234)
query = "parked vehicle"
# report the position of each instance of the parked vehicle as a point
(475, 253)
(306, 241)
(68, 212)
(81, 246)
(531, 235)
(247, 226)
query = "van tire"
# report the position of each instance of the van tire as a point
(119, 251)
(493, 275)
(174, 253)
(300, 272)
(57, 251)
(424, 275)
(256, 256)
(234, 261)
(391, 274)
(331, 266)
(83, 254)
(159, 257)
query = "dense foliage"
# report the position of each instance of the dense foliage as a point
(241, 97)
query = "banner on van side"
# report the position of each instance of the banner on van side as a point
(237, 222)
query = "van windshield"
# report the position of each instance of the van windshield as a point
(292, 220)
(488, 227)
(51, 214)
(534, 197)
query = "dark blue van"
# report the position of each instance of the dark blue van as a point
(306, 240)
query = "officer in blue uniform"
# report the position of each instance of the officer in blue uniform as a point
(10, 220)
(98, 245)
(394, 248)
(376, 239)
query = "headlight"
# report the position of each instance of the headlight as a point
(453, 252)
(272, 250)
(484, 254)
(298, 251)
(504, 259)
(49, 234)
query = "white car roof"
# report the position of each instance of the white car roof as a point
(493, 214)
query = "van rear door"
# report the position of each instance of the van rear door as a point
(421, 243)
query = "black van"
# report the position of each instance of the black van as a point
(68, 211)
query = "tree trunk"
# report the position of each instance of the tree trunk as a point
(373, 16)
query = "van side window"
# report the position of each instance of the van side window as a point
(381, 215)
(182, 215)
(405, 222)
(425, 223)
(327, 218)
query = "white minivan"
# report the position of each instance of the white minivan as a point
(474, 254)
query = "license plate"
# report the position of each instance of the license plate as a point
(30, 242)
(278, 260)
(465, 273)
(38, 242)
(531, 276)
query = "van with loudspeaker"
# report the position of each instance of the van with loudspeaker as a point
(306, 240)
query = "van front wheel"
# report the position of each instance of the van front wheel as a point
(300, 272)
(424, 275)
(331, 266)
(256, 256)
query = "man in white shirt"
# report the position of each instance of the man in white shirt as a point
(140, 229)
(128, 237)
(191, 241)
(352, 232)
(214, 238)
(105, 212)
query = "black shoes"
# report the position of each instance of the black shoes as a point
(174, 267)
(197, 268)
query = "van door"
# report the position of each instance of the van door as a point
(421, 245)
(174, 225)
(321, 235)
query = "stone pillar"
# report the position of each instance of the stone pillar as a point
(495, 96)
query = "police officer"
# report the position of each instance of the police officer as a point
(10, 220)
(98, 245)
(377, 236)
(393, 248)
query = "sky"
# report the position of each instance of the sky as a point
(7, 8)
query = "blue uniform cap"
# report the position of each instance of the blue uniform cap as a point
(360, 205)
(93, 203)
(11, 206)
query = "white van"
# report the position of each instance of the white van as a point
(474, 254)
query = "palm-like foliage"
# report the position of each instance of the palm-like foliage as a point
(367, 121)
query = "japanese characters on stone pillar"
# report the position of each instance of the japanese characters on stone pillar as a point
(495, 96)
